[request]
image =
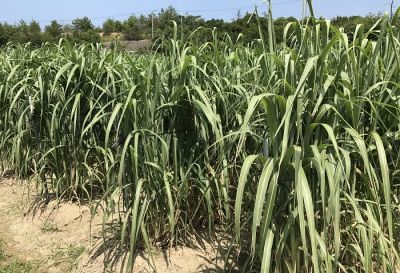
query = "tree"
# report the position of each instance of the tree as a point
(82, 24)
(34, 27)
(136, 28)
(165, 17)
(90, 36)
(131, 29)
(109, 26)
(67, 31)
(35, 33)
(20, 33)
(6, 31)
(168, 14)
(84, 31)
(144, 25)
(118, 26)
(53, 31)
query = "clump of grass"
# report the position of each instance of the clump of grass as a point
(49, 227)
(2, 251)
(19, 267)
(68, 257)
(9, 265)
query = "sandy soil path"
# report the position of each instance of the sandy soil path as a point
(65, 237)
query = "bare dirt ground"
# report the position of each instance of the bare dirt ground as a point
(65, 237)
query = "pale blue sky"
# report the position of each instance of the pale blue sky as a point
(98, 10)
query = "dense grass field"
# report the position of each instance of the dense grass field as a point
(293, 149)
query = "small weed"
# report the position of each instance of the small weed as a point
(2, 253)
(68, 256)
(14, 266)
(19, 267)
(49, 227)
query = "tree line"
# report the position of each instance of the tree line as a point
(154, 26)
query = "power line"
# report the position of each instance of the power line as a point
(92, 18)
(159, 10)
(216, 10)
(286, 2)
(239, 8)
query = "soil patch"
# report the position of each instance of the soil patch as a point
(66, 237)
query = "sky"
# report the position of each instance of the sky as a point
(12, 11)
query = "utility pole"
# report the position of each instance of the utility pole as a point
(152, 25)
(238, 14)
(181, 28)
